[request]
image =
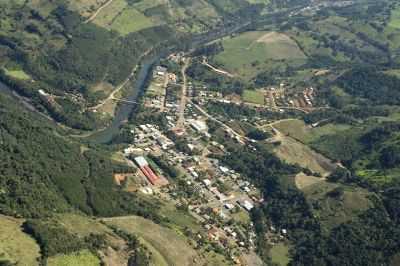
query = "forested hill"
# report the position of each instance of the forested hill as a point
(42, 172)
(78, 51)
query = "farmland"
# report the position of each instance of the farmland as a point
(249, 53)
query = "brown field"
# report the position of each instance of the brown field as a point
(274, 37)
(303, 181)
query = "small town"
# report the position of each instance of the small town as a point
(219, 198)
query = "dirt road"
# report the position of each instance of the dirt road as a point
(94, 15)
(180, 124)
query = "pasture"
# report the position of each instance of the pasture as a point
(252, 96)
(17, 74)
(82, 258)
(335, 204)
(172, 247)
(252, 52)
(395, 18)
(15, 245)
(280, 254)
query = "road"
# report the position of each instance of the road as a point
(180, 124)
(94, 15)
(220, 71)
(201, 110)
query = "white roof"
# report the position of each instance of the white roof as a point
(141, 161)
(207, 182)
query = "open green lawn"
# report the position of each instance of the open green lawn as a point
(82, 258)
(15, 245)
(252, 96)
(280, 254)
(252, 52)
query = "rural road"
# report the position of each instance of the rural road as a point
(220, 71)
(94, 15)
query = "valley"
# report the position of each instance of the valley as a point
(170, 132)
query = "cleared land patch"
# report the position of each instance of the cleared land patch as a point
(395, 18)
(15, 245)
(252, 96)
(171, 246)
(252, 52)
(131, 20)
(82, 258)
(18, 74)
(335, 204)
(280, 254)
(108, 14)
(295, 152)
(303, 181)
(297, 129)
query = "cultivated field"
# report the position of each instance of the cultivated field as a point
(252, 52)
(15, 245)
(173, 247)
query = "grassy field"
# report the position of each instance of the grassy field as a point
(82, 225)
(15, 245)
(395, 18)
(83, 258)
(252, 96)
(295, 152)
(333, 211)
(303, 181)
(18, 74)
(280, 254)
(108, 14)
(252, 52)
(131, 20)
(299, 130)
(173, 247)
